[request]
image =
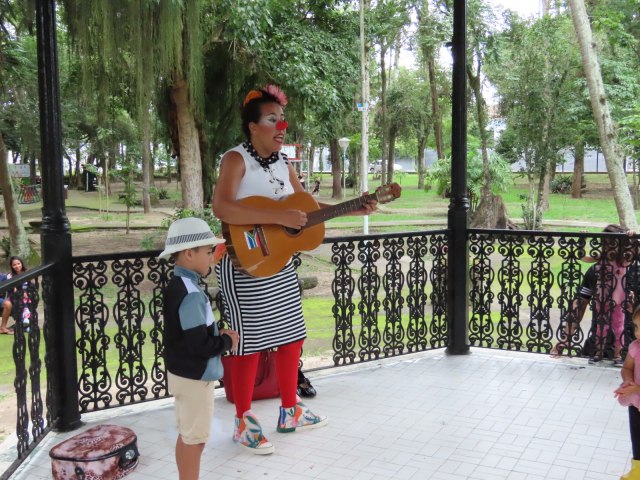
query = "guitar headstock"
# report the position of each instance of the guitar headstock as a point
(388, 193)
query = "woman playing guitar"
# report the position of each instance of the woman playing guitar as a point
(265, 311)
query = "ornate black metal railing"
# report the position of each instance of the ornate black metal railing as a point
(389, 294)
(529, 291)
(27, 320)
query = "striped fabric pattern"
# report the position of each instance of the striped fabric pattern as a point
(193, 237)
(266, 312)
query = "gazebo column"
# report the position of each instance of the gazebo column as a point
(59, 331)
(458, 263)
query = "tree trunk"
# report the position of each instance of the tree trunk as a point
(78, 169)
(383, 115)
(336, 169)
(32, 169)
(19, 243)
(490, 211)
(152, 163)
(146, 159)
(540, 199)
(578, 170)
(606, 129)
(311, 165)
(189, 154)
(422, 143)
(549, 174)
(435, 109)
(392, 155)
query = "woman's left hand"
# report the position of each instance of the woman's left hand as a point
(367, 208)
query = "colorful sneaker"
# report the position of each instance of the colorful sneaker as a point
(248, 434)
(299, 416)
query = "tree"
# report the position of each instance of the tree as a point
(408, 117)
(386, 22)
(602, 114)
(491, 210)
(149, 42)
(537, 90)
(16, 73)
(433, 29)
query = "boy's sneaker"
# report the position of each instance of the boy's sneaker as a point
(299, 416)
(248, 434)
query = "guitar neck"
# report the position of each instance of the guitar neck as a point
(327, 213)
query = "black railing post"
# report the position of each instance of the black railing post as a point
(458, 263)
(62, 388)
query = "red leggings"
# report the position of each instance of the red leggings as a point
(243, 376)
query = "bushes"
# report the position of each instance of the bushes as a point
(561, 184)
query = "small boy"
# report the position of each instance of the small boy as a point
(192, 343)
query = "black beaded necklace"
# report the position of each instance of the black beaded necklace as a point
(277, 183)
(264, 162)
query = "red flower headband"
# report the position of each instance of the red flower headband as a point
(279, 95)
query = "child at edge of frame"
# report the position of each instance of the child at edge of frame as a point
(192, 343)
(628, 394)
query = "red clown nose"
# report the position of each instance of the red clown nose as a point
(282, 125)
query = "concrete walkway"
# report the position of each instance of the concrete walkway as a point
(489, 415)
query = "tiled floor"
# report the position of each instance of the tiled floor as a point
(488, 415)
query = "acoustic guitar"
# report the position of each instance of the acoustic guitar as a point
(263, 250)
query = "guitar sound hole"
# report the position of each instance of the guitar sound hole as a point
(292, 231)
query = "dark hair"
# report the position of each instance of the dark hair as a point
(251, 111)
(15, 257)
(614, 228)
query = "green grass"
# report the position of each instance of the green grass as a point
(414, 204)
(596, 206)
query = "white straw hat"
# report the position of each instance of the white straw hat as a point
(188, 233)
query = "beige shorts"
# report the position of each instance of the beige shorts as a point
(194, 407)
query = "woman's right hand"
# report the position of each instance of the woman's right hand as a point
(233, 335)
(293, 219)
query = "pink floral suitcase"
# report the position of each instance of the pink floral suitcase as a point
(104, 452)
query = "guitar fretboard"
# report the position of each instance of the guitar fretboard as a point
(327, 213)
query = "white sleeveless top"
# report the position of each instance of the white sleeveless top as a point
(272, 182)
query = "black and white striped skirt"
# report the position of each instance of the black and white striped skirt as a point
(265, 311)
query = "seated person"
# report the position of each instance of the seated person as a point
(6, 310)
(604, 286)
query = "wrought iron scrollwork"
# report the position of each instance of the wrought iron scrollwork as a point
(481, 327)
(92, 315)
(438, 327)
(160, 272)
(571, 250)
(343, 309)
(510, 278)
(417, 247)
(369, 306)
(393, 281)
(540, 280)
(128, 312)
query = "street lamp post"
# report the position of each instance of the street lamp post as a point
(344, 144)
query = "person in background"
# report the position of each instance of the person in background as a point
(605, 285)
(6, 311)
(18, 266)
